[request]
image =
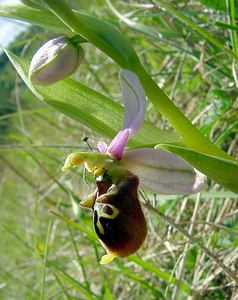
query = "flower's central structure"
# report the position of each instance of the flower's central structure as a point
(118, 217)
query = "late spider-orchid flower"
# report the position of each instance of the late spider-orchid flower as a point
(118, 218)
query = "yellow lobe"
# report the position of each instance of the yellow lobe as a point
(89, 201)
(98, 172)
(73, 160)
(107, 258)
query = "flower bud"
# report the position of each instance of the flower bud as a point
(55, 60)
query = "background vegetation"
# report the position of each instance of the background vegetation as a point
(48, 248)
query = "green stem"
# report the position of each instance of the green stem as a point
(192, 137)
(227, 26)
(101, 34)
(43, 283)
(232, 20)
(77, 39)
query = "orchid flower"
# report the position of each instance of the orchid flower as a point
(118, 218)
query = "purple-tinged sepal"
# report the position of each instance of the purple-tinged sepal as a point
(134, 100)
(163, 172)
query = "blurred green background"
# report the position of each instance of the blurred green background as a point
(47, 249)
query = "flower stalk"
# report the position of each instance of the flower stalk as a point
(191, 136)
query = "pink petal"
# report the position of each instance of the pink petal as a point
(118, 144)
(163, 172)
(102, 147)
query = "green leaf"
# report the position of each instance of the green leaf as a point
(33, 4)
(161, 274)
(143, 282)
(43, 276)
(89, 234)
(89, 107)
(42, 18)
(75, 284)
(218, 4)
(223, 171)
(226, 26)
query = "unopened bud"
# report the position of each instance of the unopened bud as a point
(55, 60)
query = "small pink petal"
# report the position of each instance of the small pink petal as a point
(102, 147)
(118, 144)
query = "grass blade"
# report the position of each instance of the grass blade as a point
(164, 275)
(43, 282)
(185, 19)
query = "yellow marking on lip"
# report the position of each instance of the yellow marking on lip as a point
(99, 209)
(100, 227)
